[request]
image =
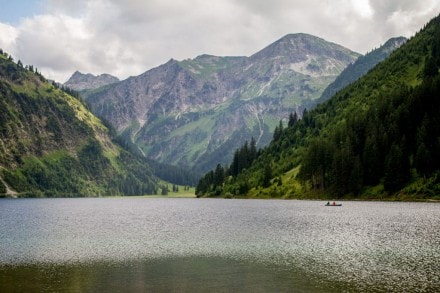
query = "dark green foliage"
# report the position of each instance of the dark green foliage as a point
(219, 175)
(278, 131)
(91, 156)
(2, 188)
(52, 146)
(139, 180)
(360, 67)
(383, 130)
(267, 176)
(422, 160)
(173, 174)
(396, 169)
(243, 158)
(293, 119)
(212, 182)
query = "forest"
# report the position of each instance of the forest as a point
(52, 146)
(377, 138)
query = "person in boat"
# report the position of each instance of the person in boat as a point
(328, 203)
(334, 203)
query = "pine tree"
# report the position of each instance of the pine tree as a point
(293, 118)
(422, 160)
(278, 131)
(219, 175)
(267, 175)
(252, 150)
(396, 169)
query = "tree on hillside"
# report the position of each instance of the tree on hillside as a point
(396, 169)
(293, 118)
(267, 175)
(278, 131)
(219, 175)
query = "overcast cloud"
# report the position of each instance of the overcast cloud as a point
(128, 37)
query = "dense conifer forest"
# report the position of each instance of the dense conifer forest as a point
(52, 145)
(377, 138)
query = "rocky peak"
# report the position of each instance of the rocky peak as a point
(80, 81)
(196, 112)
(393, 44)
(299, 47)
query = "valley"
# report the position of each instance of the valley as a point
(198, 111)
(185, 118)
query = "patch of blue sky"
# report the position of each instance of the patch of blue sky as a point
(12, 11)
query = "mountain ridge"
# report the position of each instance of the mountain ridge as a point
(361, 66)
(377, 138)
(80, 81)
(175, 112)
(51, 145)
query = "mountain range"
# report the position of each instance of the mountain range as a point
(377, 138)
(189, 113)
(195, 112)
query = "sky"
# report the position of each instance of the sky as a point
(128, 37)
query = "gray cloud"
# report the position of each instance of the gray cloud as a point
(131, 36)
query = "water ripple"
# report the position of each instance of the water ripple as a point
(391, 246)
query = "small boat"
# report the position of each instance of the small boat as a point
(333, 204)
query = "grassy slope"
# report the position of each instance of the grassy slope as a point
(403, 68)
(51, 145)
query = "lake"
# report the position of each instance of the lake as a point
(217, 245)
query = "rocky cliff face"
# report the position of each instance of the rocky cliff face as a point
(79, 81)
(196, 112)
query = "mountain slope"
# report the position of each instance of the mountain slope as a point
(376, 138)
(79, 81)
(51, 145)
(362, 65)
(196, 112)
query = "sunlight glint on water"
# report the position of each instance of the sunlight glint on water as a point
(361, 245)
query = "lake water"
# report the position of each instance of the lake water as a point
(201, 245)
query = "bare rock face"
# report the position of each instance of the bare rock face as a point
(196, 112)
(79, 81)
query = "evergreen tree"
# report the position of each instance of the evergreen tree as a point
(293, 118)
(219, 175)
(278, 131)
(252, 151)
(396, 169)
(372, 162)
(267, 175)
(422, 160)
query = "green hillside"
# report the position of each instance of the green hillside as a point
(194, 113)
(377, 138)
(361, 67)
(52, 145)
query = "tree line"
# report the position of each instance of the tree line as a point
(383, 130)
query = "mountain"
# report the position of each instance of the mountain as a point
(51, 145)
(377, 138)
(79, 81)
(197, 111)
(362, 65)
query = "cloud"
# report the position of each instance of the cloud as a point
(8, 35)
(129, 37)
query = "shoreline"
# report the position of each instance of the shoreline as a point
(15, 195)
